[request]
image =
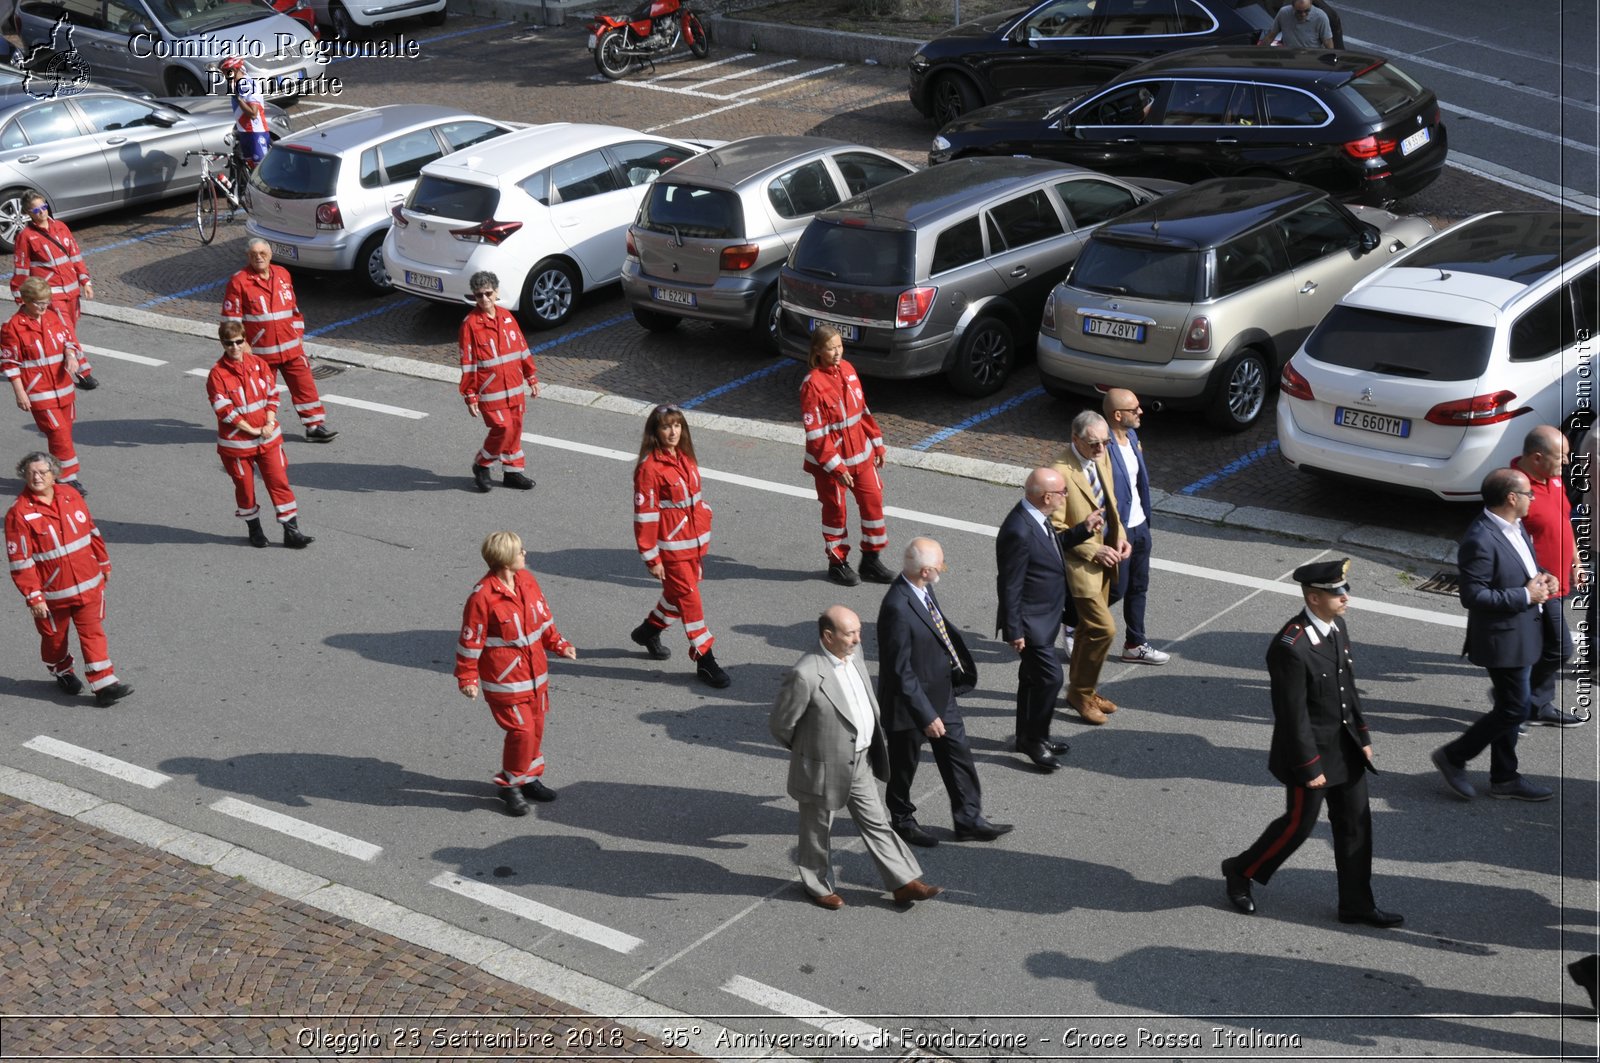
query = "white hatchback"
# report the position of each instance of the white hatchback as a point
(1429, 373)
(546, 209)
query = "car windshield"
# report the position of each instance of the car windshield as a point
(1139, 271)
(687, 211)
(1401, 345)
(444, 198)
(292, 173)
(1381, 90)
(183, 18)
(855, 254)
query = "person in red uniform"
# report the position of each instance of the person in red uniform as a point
(1545, 453)
(244, 396)
(261, 297)
(672, 528)
(39, 356)
(46, 248)
(506, 630)
(60, 564)
(844, 451)
(495, 367)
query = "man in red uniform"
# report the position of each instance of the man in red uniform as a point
(46, 248)
(506, 629)
(261, 297)
(1545, 453)
(244, 397)
(39, 356)
(59, 563)
(495, 366)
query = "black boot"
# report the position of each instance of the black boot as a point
(649, 636)
(873, 570)
(76, 483)
(258, 538)
(293, 537)
(85, 382)
(516, 804)
(538, 791)
(709, 672)
(480, 479)
(841, 573)
(69, 682)
(515, 479)
(107, 696)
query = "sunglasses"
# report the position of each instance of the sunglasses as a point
(233, 343)
(487, 294)
(42, 209)
(663, 410)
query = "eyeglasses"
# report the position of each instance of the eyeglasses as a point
(489, 294)
(1528, 493)
(233, 343)
(1127, 409)
(1092, 443)
(42, 208)
(663, 410)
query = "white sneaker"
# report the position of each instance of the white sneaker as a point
(1146, 654)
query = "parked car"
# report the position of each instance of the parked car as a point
(945, 271)
(1068, 42)
(346, 19)
(299, 10)
(712, 234)
(98, 150)
(322, 198)
(545, 208)
(1350, 122)
(1199, 298)
(1428, 375)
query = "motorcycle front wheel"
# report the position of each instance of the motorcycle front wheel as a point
(608, 55)
(698, 43)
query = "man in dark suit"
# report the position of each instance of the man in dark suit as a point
(923, 664)
(1504, 591)
(827, 718)
(1130, 486)
(1032, 586)
(1320, 750)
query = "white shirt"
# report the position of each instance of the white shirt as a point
(857, 703)
(1519, 543)
(1321, 626)
(1040, 517)
(1130, 463)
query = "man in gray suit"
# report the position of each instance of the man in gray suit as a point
(827, 718)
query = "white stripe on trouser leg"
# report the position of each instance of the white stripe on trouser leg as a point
(874, 525)
(104, 681)
(96, 666)
(248, 514)
(835, 532)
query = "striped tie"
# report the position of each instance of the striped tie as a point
(938, 625)
(1094, 485)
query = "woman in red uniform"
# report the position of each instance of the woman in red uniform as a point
(506, 629)
(672, 527)
(844, 451)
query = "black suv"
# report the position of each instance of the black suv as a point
(1351, 123)
(1068, 42)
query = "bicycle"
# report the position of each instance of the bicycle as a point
(230, 179)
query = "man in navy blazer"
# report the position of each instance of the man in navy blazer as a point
(1032, 586)
(1503, 590)
(1130, 483)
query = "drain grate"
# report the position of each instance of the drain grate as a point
(1448, 583)
(322, 371)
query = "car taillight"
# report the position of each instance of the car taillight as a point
(629, 247)
(487, 232)
(328, 216)
(1369, 147)
(1292, 384)
(1047, 323)
(398, 213)
(740, 257)
(1198, 338)
(912, 306)
(1478, 410)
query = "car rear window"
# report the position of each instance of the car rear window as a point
(453, 199)
(1401, 345)
(290, 173)
(855, 254)
(688, 211)
(1382, 91)
(1138, 271)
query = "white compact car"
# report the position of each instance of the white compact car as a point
(1429, 373)
(546, 209)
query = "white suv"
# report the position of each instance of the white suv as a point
(1429, 373)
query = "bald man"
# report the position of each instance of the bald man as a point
(1130, 481)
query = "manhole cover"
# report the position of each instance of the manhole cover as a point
(323, 371)
(1442, 583)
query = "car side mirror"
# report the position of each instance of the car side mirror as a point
(162, 118)
(1370, 239)
(138, 26)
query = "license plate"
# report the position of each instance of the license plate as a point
(1117, 330)
(849, 333)
(288, 251)
(425, 280)
(672, 295)
(1414, 141)
(591, 42)
(1365, 421)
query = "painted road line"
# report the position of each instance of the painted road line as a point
(977, 418)
(702, 114)
(534, 912)
(1238, 464)
(743, 72)
(732, 384)
(599, 326)
(853, 1035)
(785, 81)
(375, 407)
(393, 304)
(158, 300)
(124, 356)
(88, 758)
(297, 828)
(134, 240)
(702, 66)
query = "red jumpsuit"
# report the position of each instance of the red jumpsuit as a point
(495, 366)
(672, 524)
(841, 433)
(504, 637)
(267, 308)
(56, 259)
(245, 391)
(57, 557)
(34, 350)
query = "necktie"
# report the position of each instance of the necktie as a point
(1094, 485)
(938, 625)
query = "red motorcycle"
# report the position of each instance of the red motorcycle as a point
(656, 27)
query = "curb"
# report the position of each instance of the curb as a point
(1424, 548)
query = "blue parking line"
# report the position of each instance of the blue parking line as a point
(559, 340)
(392, 304)
(978, 418)
(1236, 465)
(158, 300)
(732, 384)
(135, 239)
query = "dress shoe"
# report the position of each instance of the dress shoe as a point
(1104, 704)
(1454, 777)
(516, 480)
(1520, 789)
(85, 382)
(538, 791)
(649, 636)
(320, 433)
(831, 901)
(293, 537)
(913, 834)
(1238, 886)
(982, 831)
(1039, 753)
(1377, 917)
(516, 804)
(916, 890)
(69, 682)
(873, 569)
(1550, 716)
(480, 479)
(1055, 746)
(709, 672)
(1090, 712)
(108, 696)
(842, 574)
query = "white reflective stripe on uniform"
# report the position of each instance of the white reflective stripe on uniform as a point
(687, 544)
(246, 444)
(470, 654)
(64, 289)
(86, 585)
(840, 425)
(646, 518)
(525, 640)
(18, 566)
(38, 396)
(62, 551)
(507, 670)
(273, 315)
(522, 687)
(501, 359)
(274, 348)
(496, 396)
(857, 459)
(651, 554)
(693, 500)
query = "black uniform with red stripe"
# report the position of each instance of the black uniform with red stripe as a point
(1317, 730)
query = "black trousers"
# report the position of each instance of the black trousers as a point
(1351, 819)
(956, 768)
(1039, 679)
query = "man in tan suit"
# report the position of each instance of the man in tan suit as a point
(1092, 564)
(827, 718)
